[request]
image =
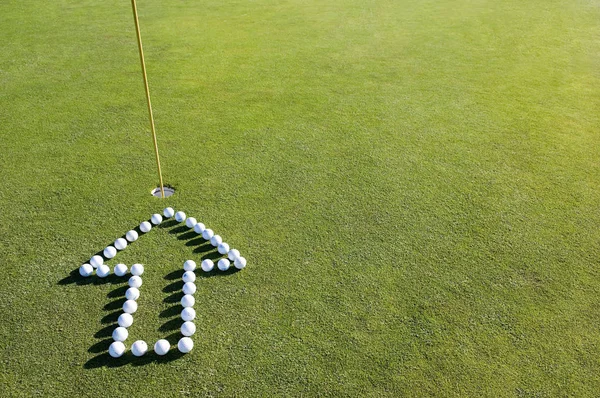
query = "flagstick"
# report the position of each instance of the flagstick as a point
(139, 40)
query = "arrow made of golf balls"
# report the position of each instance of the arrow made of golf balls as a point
(188, 314)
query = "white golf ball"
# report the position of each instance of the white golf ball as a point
(233, 254)
(199, 228)
(130, 306)
(156, 219)
(187, 329)
(208, 234)
(223, 248)
(223, 264)
(189, 265)
(96, 261)
(190, 222)
(120, 269)
(137, 269)
(180, 216)
(239, 262)
(145, 226)
(116, 349)
(216, 240)
(189, 288)
(139, 348)
(86, 270)
(120, 244)
(185, 345)
(135, 281)
(103, 271)
(131, 235)
(133, 293)
(168, 212)
(161, 347)
(187, 301)
(188, 276)
(188, 314)
(120, 334)
(207, 265)
(125, 320)
(110, 252)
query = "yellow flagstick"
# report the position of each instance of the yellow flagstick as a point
(139, 40)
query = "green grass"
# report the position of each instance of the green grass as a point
(415, 185)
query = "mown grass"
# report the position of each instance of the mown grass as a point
(413, 183)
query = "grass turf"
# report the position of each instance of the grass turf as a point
(414, 184)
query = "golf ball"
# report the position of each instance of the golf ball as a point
(86, 270)
(96, 261)
(223, 264)
(103, 271)
(161, 347)
(156, 219)
(187, 329)
(187, 301)
(199, 228)
(125, 320)
(120, 244)
(239, 262)
(180, 216)
(131, 235)
(139, 348)
(120, 334)
(137, 269)
(188, 314)
(145, 226)
(133, 293)
(110, 252)
(207, 265)
(120, 269)
(190, 222)
(208, 234)
(189, 265)
(216, 240)
(135, 281)
(189, 288)
(130, 306)
(223, 248)
(233, 254)
(168, 212)
(189, 276)
(116, 349)
(185, 345)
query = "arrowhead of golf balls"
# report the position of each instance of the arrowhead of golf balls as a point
(185, 345)
(239, 263)
(168, 212)
(137, 269)
(116, 349)
(233, 254)
(86, 270)
(189, 265)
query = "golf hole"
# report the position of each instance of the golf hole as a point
(168, 192)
